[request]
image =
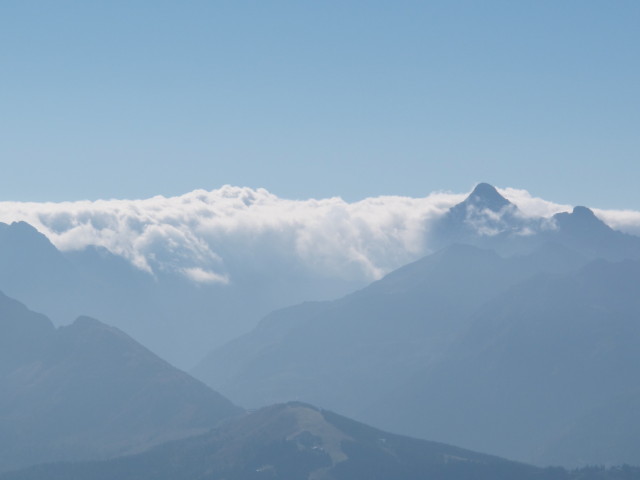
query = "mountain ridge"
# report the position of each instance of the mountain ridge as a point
(88, 390)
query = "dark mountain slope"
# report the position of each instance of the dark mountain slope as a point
(297, 441)
(89, 391)
(604, 435)
(531, 365)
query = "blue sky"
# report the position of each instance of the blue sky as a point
(131, 99)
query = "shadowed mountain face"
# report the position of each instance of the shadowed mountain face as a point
(89, 391)
(345, 354)
(550, 357)
(297, 441)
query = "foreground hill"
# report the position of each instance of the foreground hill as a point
(297, 441)
(89, 391)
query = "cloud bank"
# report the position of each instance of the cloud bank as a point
(208, 235)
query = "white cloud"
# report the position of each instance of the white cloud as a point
(531, 206)
(627, 221)
(205, 234)
(200, 275)
(211, 235)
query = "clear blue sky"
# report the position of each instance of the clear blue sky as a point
(128, 99)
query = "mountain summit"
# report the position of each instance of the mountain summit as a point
(486, 219)
(483, 215)
(485, 195)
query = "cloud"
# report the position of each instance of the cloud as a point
(213, 236)
(531, 206)
(206, 235)
(200, 275)
(627, 221)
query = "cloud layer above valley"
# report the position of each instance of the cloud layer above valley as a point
(210, 236)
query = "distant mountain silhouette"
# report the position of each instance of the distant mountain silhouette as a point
(89, 391)
(486, 219)
(298, 441)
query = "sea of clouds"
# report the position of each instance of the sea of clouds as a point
(204, 235)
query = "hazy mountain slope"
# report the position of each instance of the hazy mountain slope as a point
(533, 362)
(89, 391)
(297, 441)
(346, 353)
(23, 334)
(175, 317)
(35, 272)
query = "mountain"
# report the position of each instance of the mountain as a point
(488, 220)
(33, 270)
(544, 372)
(485, 218)
(344, 354)
(88, 391)
(298, 441)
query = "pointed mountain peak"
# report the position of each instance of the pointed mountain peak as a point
(487, 196)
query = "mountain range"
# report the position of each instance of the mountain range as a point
(517, 338)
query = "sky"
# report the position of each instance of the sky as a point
(317, 99)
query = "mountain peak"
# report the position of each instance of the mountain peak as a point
(579, 216)
(487, 196)
(583, 212)
(583, 224)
